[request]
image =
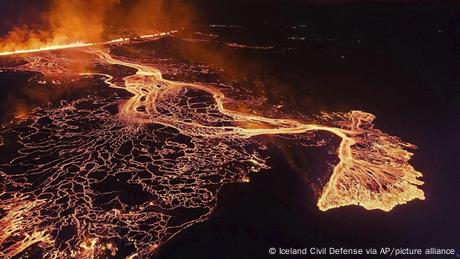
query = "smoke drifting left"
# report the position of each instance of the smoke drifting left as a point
(55, 23)
(64, 22)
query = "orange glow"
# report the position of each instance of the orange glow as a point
(46, 48)
(374, 176)
(67, 23)
(373, 169)
(83, 44)
(14, 228)
(81, 22)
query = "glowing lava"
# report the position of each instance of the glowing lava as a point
(131, 175)
(83, 44)
(46, 48)
(376, 174)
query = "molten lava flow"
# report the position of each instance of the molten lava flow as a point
(12, 223)
(45, 48)
(142, 173)
(373, 170)
(61, 25)
(76, 23)
(82, 44)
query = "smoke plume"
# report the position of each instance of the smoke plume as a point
(67, 22)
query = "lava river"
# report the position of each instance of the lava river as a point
(96, 174)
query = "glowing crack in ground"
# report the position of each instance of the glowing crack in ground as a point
(95, 174)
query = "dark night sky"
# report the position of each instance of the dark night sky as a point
(256, 11)
(336, 18)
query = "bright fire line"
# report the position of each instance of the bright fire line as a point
(80, 44)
